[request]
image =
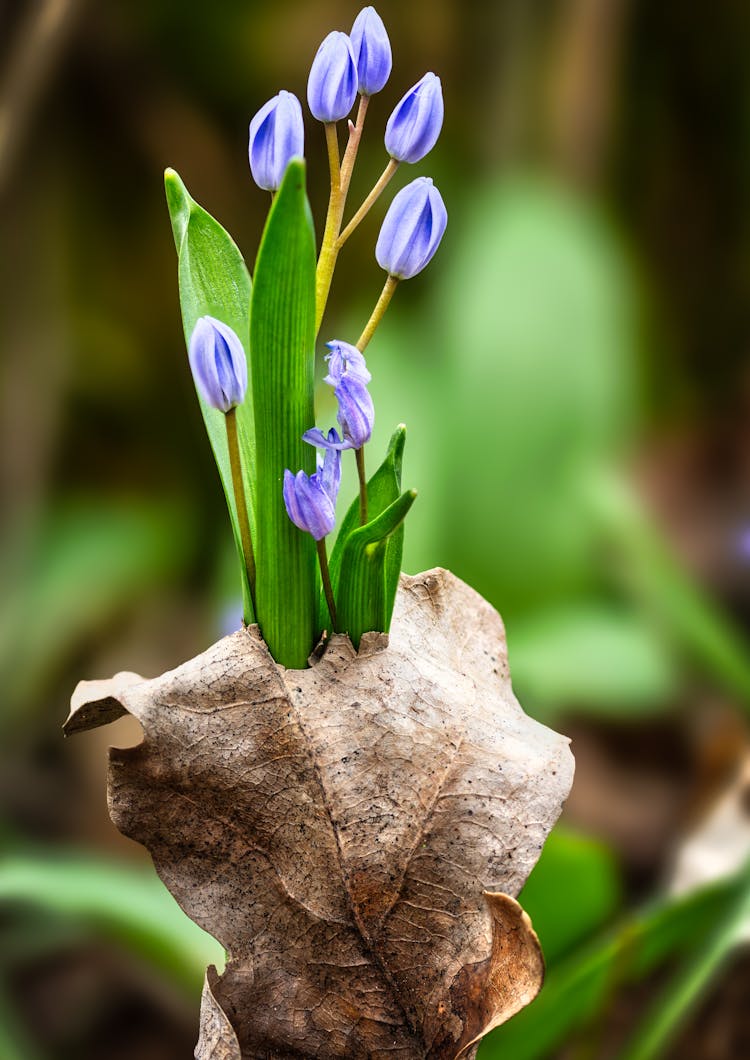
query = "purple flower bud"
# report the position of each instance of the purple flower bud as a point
(308, 504)
(332, 84)
(372, 51)
(277, 135)
(412, 229)
(345, 358)
(416, 121)
(218, 363)
(356, 411)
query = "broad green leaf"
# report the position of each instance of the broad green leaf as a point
(363, 599)
(214, 281)
(576, 865)
(578, 988)
(383, 488)
(282, 358)
(591, 655)
(129, 905)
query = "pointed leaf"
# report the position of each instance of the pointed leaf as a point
(282, 357)
(214, 281)
(363, 602)
(383, 488)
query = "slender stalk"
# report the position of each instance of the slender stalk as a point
(326, 576)
(350, 155)
(235, 465)
(372, 198)
(341, 175)
(377, 314)
(327, 257)
(360, 455)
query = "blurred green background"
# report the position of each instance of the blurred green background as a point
(573, 371)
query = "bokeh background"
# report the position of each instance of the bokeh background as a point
(573, 371)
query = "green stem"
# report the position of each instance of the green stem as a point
(235, 464)
(326, 576)
(369, 202)
(377, 314)
(360, 455)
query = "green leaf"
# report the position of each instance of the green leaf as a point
(383, 488)
(282, 357)
(363, 601)
(214, 281)
(128, 905)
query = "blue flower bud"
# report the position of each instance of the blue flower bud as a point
(308, 504)
(345, 358)
(415, 124)
(356, 411)
(372, 51)
(412, 229)
(218, 363)
(277, 135)
(332, 84)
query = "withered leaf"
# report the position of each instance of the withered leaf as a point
(352, 833)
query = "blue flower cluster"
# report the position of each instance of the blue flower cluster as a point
(349, 376)
(344, 66)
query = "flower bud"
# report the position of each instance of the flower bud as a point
(372, 51)
(345, 358)
(218, 363)
(356, 411)
(412, 229)
(332, 84)
(308, 504)
(416, 121)
(277, 135)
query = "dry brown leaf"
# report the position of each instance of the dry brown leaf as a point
(351, 833)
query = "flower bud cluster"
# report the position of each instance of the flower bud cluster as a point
(348, 375)
(345, 65)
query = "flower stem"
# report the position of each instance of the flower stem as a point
(235, 465)
(371, 199)
(350, 155)
(326, 576)
(341, 175)
(377, 314)
(360, 455)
